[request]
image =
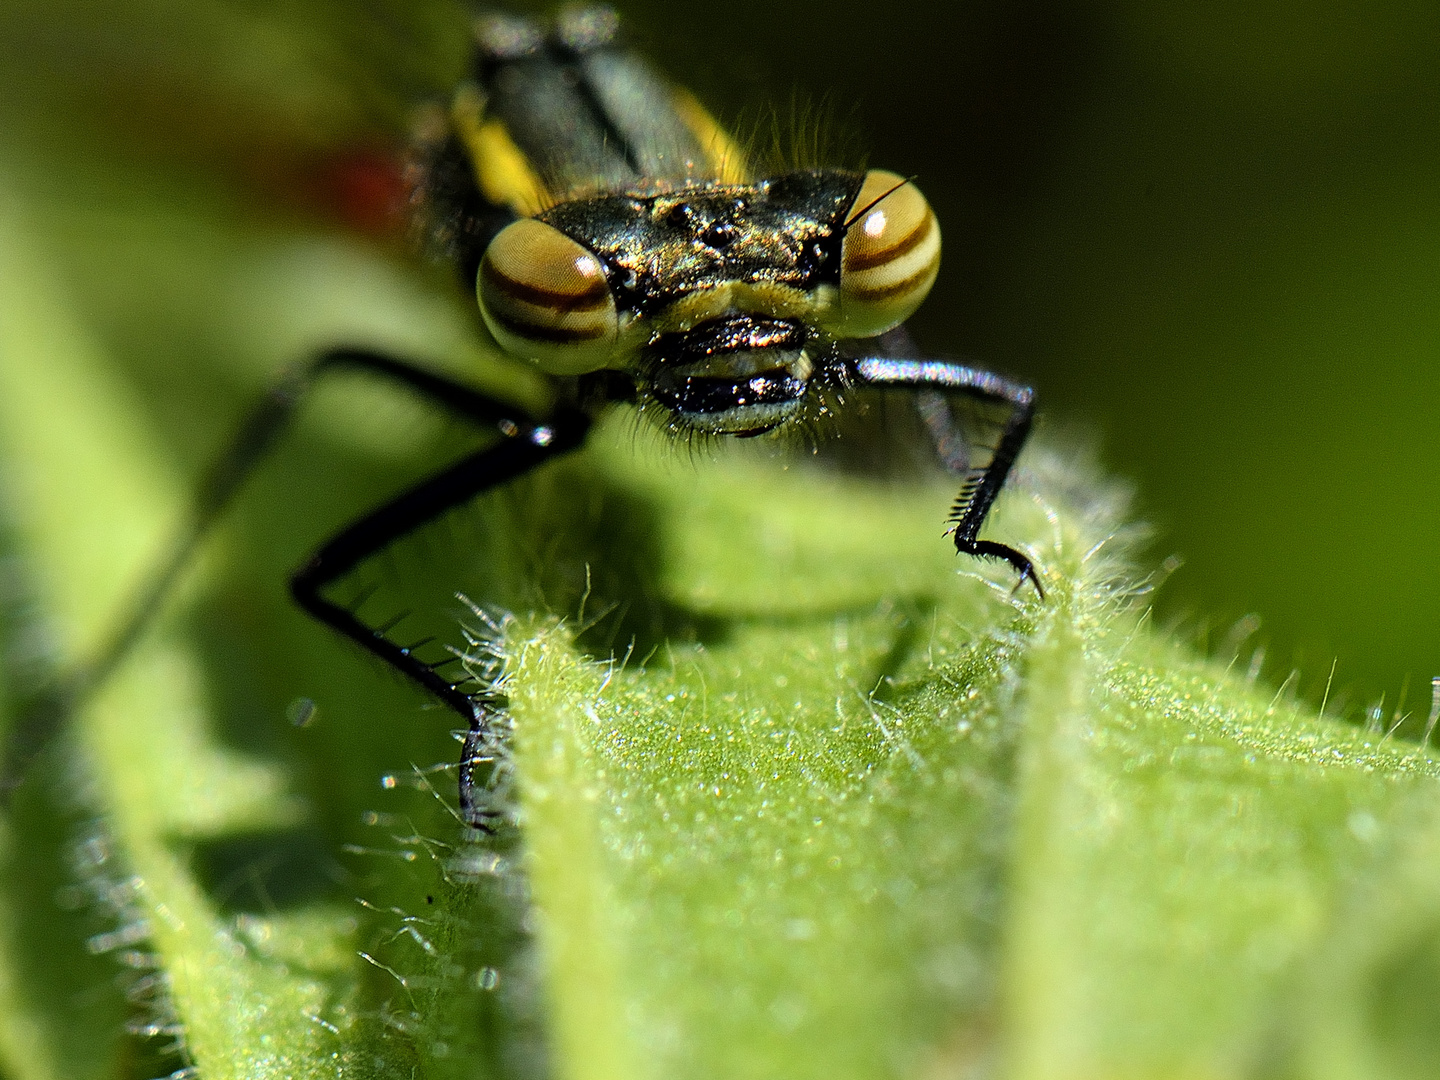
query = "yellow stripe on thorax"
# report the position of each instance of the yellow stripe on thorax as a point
(501, 168)
(722, 153)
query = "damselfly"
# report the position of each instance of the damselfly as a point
(619, 243)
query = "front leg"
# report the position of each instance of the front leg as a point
(978, 494)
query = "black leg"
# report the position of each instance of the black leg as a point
(252, 442)
(526, 445)
(978, 494)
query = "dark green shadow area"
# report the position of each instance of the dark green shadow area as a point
(267, 872)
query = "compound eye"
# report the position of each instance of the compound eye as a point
(546, 300)
(890, 256)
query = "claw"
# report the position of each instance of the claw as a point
(988, 549)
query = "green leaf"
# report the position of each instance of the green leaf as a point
(912, 832)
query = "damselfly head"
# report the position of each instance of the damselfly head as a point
(720, 300)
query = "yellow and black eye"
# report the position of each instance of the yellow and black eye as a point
(890, 257)
(546, 300)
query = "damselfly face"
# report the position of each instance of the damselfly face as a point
(720, 300)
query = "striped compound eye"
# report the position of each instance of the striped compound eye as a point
(890, 257)
(546, 300)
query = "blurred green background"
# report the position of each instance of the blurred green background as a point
(1210, 234)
